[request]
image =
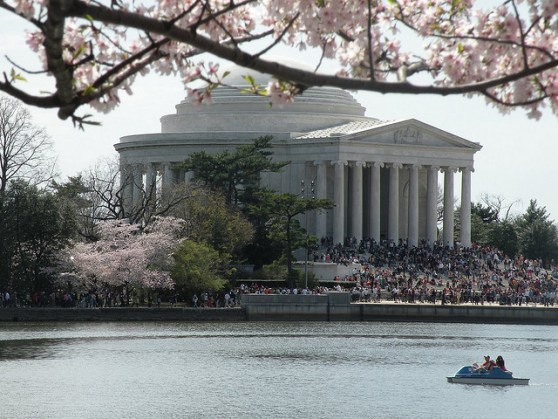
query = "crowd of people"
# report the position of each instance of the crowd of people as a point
(430, 274)
(450, 275)
(378, 272)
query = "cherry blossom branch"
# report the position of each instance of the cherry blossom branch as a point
(25, 70)
(509, 104)
(454, 37)
(521, 35)
(498, 51)
(280, 37)
(66, 97)
(370, 43)
(301, 77)
(63, 73)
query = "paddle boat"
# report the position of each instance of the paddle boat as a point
(495, 376)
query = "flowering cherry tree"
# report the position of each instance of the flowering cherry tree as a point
(505, 50)
(123, 255)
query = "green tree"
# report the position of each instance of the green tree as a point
(503, 235)
(478, 229)
(75, 193)
(24, 156)
(482, 219)
(211, 221)
(491, 223)
(198, 267)
(34, 225)
(537, 234)
(486, 213)
(235, 173)
(73, 189)
(261, 250)
(282, 212)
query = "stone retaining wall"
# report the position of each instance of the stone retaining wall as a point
(457, 313)
(337, 307)
(140, 314)
(325, 307)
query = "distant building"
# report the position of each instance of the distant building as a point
(382, 175)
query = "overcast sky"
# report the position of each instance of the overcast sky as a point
(518, 160)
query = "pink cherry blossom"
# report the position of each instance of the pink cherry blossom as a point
(277, 93)
(464, 46)
(125, 254)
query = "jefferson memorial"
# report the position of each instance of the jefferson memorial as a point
(382, 175)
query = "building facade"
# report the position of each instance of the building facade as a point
(383, 176)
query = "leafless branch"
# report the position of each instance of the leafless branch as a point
(24, 148)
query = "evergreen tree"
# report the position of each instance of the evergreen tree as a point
(235, 173)
(486, 213)
(237, 176)
(34, 225)
(208, 219)
(503, 235)
(537, 234)
(282, 211)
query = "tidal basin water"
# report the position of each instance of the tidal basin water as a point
(270, 370)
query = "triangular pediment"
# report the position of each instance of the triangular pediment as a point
(403, 132)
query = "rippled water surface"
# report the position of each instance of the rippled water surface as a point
(270, 370)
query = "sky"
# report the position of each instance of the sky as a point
(518, 161)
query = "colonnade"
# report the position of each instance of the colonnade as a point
(351, 213)
(367, 197)
(140, 181)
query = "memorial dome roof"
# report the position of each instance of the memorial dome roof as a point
(234, 110)
(236, 72)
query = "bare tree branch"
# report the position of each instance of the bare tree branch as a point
(24, 148)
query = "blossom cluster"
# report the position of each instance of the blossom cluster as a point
(125, 254)
(463, 43)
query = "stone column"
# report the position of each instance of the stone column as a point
(150, 183)
(321, 193)
(137, 186)
(432, 205)
(375, 201)
(356, 201)
(126, 187)
(448, 206)
(412, 238)
(393, 213)
(339, 199)
(188, 176)
(167, 176)
(465, 216)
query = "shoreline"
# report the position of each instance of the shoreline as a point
(333, 307)
(121, 314)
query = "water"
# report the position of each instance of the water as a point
(270, 370)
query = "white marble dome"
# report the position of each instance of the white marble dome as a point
(236, 72)
(233, 110)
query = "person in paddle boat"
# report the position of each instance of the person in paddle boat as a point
(487, 365)
(500, 363)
